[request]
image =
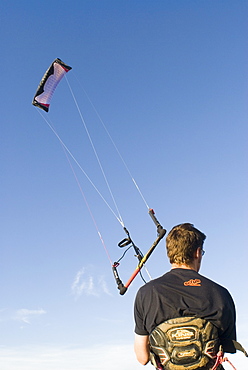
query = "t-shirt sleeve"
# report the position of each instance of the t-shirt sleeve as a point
(140, 328)
(229, 333)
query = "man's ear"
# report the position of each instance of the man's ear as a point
(198, 252)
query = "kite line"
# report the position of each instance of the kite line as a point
(110, 137)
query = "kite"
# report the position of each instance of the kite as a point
(48, 84)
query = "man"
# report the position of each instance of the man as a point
(183, 292)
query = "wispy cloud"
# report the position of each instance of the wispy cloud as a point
(85, 282)
(23, 315)
(26, 315)
(105, 357)
(102, 283)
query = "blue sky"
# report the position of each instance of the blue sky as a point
(169, 81)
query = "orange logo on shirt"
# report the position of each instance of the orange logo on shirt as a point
(192, 282)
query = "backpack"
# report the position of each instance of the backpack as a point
(184, 343)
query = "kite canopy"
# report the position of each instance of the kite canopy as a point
(48, 84)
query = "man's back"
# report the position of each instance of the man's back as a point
(184, 292)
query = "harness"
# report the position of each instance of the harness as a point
(187, 343)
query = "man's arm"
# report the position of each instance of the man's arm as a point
(142, 348)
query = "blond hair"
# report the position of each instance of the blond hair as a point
(182, 242)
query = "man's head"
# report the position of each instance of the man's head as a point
(183, 244)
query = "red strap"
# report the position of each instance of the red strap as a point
(220, 359)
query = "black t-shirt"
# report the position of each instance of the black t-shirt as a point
(183, 292)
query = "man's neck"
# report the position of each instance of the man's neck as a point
(183, 266)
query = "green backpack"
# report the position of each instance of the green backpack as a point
(184, 343)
